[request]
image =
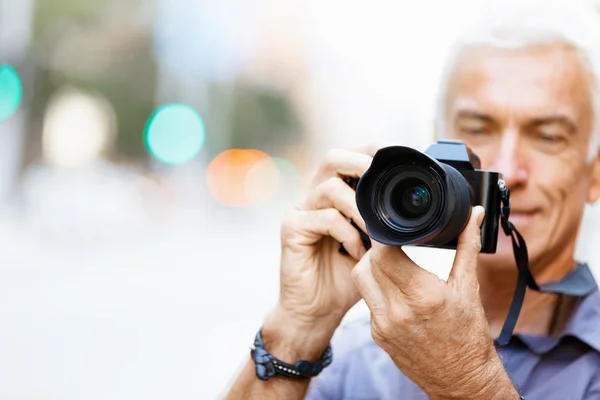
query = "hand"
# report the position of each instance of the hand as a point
(436, 332)
(316, 284)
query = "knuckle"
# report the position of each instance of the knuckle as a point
(381, 329)
(471, 245)
(332, 216)
(332, 156)
(397, 316)
(356, 273)
(336, 183)
(359, 271)
(475, 243)
(375, 257)
(327, 166)
(379, 262)
(436, 306)
(288, 223)
(475, 288)
(474, 248)
(372, 147)
(378, 326)
(330, 187)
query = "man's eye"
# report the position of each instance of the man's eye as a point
(550, 142)
(549, 138)
(475, 131)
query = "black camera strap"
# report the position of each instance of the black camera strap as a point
(579, 282)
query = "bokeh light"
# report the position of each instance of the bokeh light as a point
(290, 180)
(262, 182)
(251, 178)
(78, 128)
(227, 176)
(11, 91)
(174, 133)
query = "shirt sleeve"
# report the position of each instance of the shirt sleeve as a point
(330, 383)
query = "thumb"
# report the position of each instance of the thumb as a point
(464, 269)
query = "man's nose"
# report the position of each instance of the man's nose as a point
(511, 161)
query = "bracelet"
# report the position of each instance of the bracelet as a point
(267, 366)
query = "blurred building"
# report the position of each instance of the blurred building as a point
(15, 40)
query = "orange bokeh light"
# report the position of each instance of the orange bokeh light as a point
(227, 175)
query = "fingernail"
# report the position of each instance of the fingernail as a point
(480, 216)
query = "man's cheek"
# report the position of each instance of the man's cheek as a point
(556, 179)
(568, 186)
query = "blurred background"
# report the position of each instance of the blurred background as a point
(148, 150)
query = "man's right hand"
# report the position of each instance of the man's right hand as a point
(316, 285)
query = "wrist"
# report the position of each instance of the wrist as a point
(496, 384)
(489, 382)
(291, 339)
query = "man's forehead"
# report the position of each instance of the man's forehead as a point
(534, 79)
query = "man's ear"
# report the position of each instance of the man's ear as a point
(594, 190)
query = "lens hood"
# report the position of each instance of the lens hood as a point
(402, 169)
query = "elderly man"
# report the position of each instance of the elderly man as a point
(524, 94)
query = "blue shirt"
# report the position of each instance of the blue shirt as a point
(566, 367)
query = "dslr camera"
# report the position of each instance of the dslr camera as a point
(425, 199)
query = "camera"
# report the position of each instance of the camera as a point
(407, 197)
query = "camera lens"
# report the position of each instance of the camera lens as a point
(408, 197)
(411, 198)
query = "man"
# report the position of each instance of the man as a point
(524, 95)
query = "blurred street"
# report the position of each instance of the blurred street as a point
(172, 315)
(148, 152)
(104, 318)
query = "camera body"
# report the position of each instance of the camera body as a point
(425, 199)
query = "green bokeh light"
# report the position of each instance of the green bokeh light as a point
(11, 91)
(174, 133)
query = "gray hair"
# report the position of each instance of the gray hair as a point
(531, 24)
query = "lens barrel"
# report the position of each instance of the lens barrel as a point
(408, 197)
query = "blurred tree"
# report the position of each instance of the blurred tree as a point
(263, 117)
(103, 47)
(107, 47)
(251, 116)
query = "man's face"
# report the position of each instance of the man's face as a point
(528, 114)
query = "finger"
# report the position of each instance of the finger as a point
(308, 227)
(367, 286)
(464, 269)
(394, 295)
(372, 148)
(391, 262)
(343, 163)
(335, 193)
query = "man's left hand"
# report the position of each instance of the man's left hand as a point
(435, 331)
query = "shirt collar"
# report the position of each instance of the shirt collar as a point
(583, 325)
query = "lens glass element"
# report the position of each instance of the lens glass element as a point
(411, 198)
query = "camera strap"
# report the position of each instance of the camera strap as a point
(579, 282)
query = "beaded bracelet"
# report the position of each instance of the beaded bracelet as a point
(267, 366)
